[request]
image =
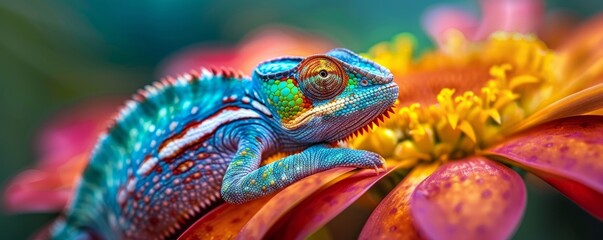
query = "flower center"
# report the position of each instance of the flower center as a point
(460, 99)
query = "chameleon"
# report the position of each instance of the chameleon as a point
(182, 144)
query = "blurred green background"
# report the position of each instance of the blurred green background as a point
(56, 54)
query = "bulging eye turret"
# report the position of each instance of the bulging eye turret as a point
(321, 77)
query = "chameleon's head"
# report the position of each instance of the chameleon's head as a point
(325, 98)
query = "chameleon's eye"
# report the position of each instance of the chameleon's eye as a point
(321, 77)
(323, 73)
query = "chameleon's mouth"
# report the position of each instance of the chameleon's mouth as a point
(339, 104)
(380, 118)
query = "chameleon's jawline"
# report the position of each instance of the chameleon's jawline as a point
(309, 115)
(373, 123)
(379, 118)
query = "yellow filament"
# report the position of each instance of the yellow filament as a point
(522, 73)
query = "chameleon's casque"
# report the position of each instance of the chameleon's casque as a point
(181, 145)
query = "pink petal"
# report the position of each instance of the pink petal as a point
(324, 205)
(277, 41)
(582, 195)
(391, 219)
(438, 20)
(566, 152)
(36, 191)
(228, 221)
(274, 41)
(472, 198)
(523, 16)
(74, 131)
(64, 147)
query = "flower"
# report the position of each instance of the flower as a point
(467, 111)
(491, 107)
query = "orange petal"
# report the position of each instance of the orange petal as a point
(391, 219)
(227, 220)
(556, 28)
(472, 198)
(324, 205)
(261, 222)
(424, 86)
(568, 153)
(581, 42)
(581, 56)
(582, 102)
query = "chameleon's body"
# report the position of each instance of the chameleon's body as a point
(182, 144)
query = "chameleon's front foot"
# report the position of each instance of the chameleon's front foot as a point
(242, 183)
(351, 158)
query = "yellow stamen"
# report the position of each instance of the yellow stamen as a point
(461, 121)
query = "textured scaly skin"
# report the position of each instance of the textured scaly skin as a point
(183, 144)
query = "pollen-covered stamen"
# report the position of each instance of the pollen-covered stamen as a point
(465, 118)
